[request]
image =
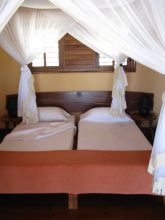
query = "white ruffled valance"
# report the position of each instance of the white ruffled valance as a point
(27, 108)
(118, 104)
(157, 161)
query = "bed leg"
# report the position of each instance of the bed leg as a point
(73, 201)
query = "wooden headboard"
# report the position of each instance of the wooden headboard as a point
(82, 101)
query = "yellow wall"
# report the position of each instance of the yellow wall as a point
(144, 79)
(73, 81)
(9, 78)
(147, 80)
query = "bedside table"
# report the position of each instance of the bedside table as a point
(10, 122)
(139, 119)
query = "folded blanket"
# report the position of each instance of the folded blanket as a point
(40, 137)
(41, 132)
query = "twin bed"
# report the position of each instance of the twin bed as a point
(98, 130)
(54, 131)
(111, 155)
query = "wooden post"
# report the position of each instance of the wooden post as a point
(73, 201)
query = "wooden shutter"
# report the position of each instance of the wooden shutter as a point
(75, 56)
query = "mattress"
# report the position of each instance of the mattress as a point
(42, 136)
(112, 136)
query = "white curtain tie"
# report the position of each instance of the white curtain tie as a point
(24, 68)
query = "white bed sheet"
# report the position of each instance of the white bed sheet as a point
(42, 136)
(117, 136)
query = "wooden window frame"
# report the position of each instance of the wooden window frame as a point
(95, 67)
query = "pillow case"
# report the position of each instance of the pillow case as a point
(102, 114)
(52, 114)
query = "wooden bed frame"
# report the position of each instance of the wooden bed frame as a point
(81, 102)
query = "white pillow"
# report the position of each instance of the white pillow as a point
(52, 114)
(102, 114)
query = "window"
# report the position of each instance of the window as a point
(52, 56)
(49, 59)
(105, 61)
(70, 55)
(39, 61)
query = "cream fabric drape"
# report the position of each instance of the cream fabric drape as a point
(134, 28)
(157, 161)
(27, 34)
(7, 9)
(118, 105)
(31, 31)
(27, 108)
(38, 4)
(93, 41)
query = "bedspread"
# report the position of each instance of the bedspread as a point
(40, 137)
(75, 172)
(117, 136)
